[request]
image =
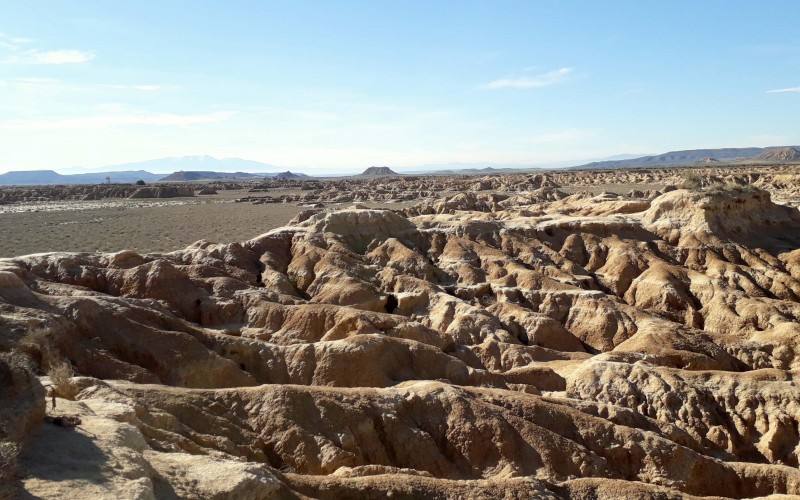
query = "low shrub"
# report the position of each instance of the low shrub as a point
(692, 181)
(61, 373)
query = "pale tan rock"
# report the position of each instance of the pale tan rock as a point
(200, 476)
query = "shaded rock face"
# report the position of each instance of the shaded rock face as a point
(22, 409)
(22, 398)
(565, 345)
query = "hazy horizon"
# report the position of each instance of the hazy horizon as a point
(163, 165)
(326, 86)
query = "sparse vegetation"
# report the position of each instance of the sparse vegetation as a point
(692, 181)
(39, 347)
(61, 373)
(695, 182)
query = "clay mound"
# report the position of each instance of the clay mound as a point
(510, 342)
(540, 181)
(207, 191)
(459, 202)
(358, 228)
(743, 214)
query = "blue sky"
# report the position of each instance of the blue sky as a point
(328, 86)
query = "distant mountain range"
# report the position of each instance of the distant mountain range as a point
(478, 171)
(37, 177)
(188, 163)
(472, 168)
(206, 175)
(201, 168)
(701, 156)
(186, 168)
(44, 177)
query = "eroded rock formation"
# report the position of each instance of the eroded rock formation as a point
(527, 343)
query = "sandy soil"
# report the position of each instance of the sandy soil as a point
(155, 228)
(141, 225)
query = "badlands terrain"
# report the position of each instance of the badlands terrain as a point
(572, 334)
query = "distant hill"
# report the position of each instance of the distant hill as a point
(376, 171)
(38, 177)
(704, 156)
(290, 175)
(206, 175)
(461, 168)
(479, 171)
(779, 155)
(32, 177)
(122, 176)
(673, 158)
(196, 164)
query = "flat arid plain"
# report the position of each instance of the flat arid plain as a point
(629, 333)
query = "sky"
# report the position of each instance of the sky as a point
(331, 85)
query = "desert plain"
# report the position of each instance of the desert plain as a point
(567, 334)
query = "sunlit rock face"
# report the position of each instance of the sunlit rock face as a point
(521, 341)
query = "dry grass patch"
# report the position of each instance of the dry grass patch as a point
(39, 347)
(61, 373)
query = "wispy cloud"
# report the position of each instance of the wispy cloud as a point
(143, 88)
(12, 43)
(59, 85)
(117, 120)
(36, 56)
(790, 89)
(29, 81)
(531, 82)
(20, 53)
